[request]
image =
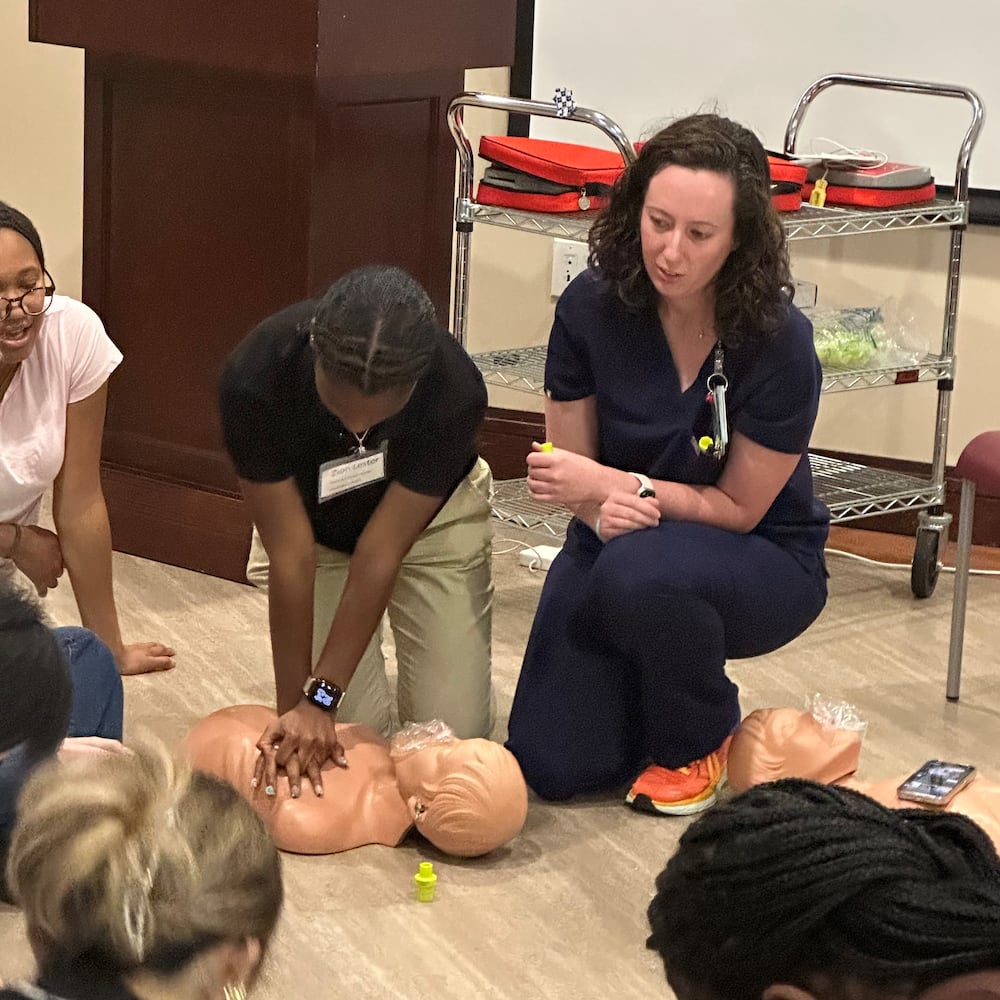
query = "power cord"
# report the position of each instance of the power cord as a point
(896, 565)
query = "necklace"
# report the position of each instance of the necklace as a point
(360, 438)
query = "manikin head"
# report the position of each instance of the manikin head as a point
(773, 743)
(466, 796)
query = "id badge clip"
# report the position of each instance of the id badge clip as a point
(344, 475)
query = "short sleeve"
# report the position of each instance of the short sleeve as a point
(252, 432)
(568, 374)
(91, 354)
(781, 410)
(436, 461)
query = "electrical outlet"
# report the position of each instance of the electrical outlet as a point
(569, 258)
(539, 557)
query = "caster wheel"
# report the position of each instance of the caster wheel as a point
(925, 568)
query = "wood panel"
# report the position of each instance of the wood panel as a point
(192, 251)
(174, 524)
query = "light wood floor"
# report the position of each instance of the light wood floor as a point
(560, 913)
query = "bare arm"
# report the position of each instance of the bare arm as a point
(752, 478)
(389, 534)
(281, 519)
(81, 518)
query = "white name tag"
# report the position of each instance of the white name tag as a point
(342, 475)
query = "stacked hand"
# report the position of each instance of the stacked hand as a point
(563, 477)
(299, 742)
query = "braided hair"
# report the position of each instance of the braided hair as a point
(815, 886)
(375, 329)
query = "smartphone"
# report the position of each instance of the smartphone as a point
(936, 782)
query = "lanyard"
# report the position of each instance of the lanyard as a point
(717, 385)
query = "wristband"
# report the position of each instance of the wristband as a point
(645, 485)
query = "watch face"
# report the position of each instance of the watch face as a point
(323, 694)
(323, 698)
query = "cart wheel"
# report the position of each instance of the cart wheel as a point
(924, 572)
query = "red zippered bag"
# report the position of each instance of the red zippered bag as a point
(541, 175)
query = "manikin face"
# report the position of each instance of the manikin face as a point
(686, 228)
(421, 772)
(20, 272)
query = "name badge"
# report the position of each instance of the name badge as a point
(342, 475)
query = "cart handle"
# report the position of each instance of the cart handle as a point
(521, 106)
(907, 87)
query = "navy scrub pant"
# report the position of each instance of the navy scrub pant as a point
(626, 659)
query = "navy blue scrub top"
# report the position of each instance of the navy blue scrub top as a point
(599, 347)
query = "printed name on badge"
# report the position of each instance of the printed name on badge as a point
(342, 475)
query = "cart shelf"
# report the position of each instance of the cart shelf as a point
(523, 368)
(806, 224)
(850, 491)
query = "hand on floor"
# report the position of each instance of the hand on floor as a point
(145, 658)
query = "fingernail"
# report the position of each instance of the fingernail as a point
(269, 790)
(254, 782)
(318, 789)
(295, 793)
(342, 761)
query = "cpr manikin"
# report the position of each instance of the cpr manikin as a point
(824, 744)
(467, 797)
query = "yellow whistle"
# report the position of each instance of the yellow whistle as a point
(818, 196)
(548, 446)
(704, 443)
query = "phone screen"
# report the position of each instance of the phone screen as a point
(937, 779)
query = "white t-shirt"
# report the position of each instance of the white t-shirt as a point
(72, 358)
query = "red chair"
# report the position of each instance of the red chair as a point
(979, 469)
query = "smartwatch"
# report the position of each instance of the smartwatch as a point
(322, 694)
(645, 485)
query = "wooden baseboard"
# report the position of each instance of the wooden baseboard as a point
(177, 523)
(507, 435)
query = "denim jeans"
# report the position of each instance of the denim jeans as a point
(97, 708)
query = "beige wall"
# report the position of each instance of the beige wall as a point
(42, 169)
(41, 152)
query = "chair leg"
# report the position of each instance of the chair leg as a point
(961, 590)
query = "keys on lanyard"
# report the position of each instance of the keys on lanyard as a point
(717, 386)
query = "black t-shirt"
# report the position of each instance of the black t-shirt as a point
(276, 427)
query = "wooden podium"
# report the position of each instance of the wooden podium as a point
(238, 156)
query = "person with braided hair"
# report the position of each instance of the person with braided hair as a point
(352, 422)
(140, 879)
(799, 891)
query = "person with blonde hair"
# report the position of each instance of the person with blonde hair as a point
(140, 879)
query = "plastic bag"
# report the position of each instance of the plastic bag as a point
(419, 735)
(866, 337)
(836, 714)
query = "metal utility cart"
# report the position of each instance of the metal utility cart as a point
(850, 490)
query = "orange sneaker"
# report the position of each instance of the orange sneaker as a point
(683, 791)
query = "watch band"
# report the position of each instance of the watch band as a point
(645, 485)
(322, 693)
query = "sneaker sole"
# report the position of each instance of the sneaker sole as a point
(688, 807)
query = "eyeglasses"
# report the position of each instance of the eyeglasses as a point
(33, 302)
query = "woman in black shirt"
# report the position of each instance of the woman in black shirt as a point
(352, 422)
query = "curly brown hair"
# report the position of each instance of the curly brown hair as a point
(753, 287)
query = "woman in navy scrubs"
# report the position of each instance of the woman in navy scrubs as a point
(682, 387)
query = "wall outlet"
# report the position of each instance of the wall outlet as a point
(569, 258)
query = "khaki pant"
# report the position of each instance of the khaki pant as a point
(440, 612)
